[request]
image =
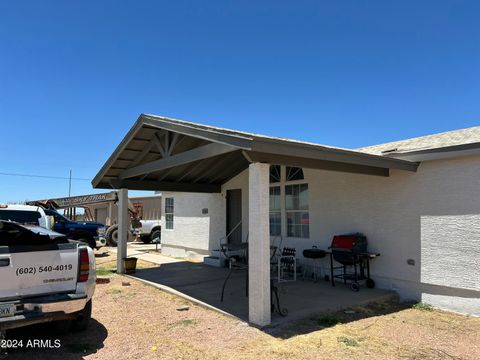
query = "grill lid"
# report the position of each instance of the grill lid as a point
(353, 242)
(314, 253)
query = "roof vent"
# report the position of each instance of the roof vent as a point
(389, 151)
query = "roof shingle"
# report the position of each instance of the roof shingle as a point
(435, 141)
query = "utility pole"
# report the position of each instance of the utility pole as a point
(70, 183)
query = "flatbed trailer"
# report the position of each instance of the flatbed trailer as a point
(103, 208)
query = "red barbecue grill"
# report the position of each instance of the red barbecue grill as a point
(351, 252)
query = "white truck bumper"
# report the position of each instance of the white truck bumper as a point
(41, 309)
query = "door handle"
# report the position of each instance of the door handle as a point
(5, 262)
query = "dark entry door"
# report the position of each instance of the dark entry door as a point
(234, 215)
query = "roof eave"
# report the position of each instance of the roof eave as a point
(319, 152)
(113, 157)
(438, 153)
(238, 141)
(255, 144)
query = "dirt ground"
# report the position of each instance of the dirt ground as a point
(136, 321)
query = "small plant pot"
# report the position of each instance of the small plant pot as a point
(130, 264)
(102, 280)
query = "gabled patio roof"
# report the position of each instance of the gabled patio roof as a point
(164, 154)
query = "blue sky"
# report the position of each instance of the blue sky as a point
(74, 75)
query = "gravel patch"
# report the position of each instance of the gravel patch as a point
(142, 322)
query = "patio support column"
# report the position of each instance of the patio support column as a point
(259, 245)
(123, 224)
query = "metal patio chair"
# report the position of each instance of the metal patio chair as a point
(235, 260)
(287, 265)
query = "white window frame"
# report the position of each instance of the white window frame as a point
(283, 211)
(296, 182)
(279, 211)
(170, 213)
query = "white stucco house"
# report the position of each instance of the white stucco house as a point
(417, 201)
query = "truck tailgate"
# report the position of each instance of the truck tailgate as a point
(35, 270)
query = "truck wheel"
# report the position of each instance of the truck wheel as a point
(86, 240)
(61, 327)
(83, 318)
(146, 239)
(112, 235)
(156, 234)
(3, 352)
(89, 242)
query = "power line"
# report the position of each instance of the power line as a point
(43, 176)
(70, 183)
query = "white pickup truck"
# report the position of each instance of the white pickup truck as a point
(148, 231)
(91, 233)
(43, 277)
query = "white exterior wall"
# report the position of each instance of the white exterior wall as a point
(431, 217)
(194, 234)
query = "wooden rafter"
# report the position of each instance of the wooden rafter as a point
(192, 169)
(157, 140)
(199, 153)
(221, 163)
(164, 186)
(165, 174)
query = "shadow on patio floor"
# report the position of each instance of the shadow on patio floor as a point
(311, 306)
(320, 321)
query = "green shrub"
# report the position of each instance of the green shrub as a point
(104, 272)
(423, 306)
(113, 291)
(182, 323)
(328, 321)
(348, 341)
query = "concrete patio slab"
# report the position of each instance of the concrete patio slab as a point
(301, 298)
(146, 252)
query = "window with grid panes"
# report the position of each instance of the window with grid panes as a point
(275, 211)
(296, 207)
(169, 210)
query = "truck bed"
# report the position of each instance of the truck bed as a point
(37, 269)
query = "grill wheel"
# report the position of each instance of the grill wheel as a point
(370, 283)
(354, 286)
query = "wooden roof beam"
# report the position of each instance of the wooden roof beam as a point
(199, 153)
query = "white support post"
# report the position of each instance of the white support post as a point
(109, 214)
(123, 224)
(259, 306)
